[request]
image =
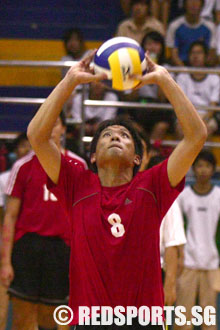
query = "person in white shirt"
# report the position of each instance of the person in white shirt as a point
(97, 91)
(201, 89)
(200, 203)
(172, 240)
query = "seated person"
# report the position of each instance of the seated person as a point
(97, 91)
(188, 28)
(74, 46)
(158, 121)
(201, 89)
(139, 23)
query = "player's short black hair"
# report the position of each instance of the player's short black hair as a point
(133, 2)
(125, 123)
(201, 44)
(19, 139)
(208, 156)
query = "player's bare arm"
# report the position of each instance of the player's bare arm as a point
(194, 130)
(11, 214)
(40, 127)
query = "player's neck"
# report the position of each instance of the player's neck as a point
(202, 187)
(113, 177)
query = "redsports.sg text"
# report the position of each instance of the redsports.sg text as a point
(106, 315)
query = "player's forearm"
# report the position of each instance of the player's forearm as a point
(171, 263)
(40, 127)
(7, 239)
(192, 126)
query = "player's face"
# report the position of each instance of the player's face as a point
(197, 56)
(203, 171)
(58, 130)
(115, 145)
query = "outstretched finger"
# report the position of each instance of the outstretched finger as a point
(98, 77)
(88, 58)
(150, 63)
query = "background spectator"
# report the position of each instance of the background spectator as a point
(200, 204)
(74, 46)
(186, 29)
(140, 22)
(97, 91)
(201, 89)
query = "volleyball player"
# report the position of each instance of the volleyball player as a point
(35, 251)
(116, 212)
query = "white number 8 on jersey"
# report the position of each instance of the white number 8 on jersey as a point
(117, 229)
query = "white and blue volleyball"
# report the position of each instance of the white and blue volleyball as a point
(118, 58)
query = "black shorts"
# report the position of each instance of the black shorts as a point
(41, 269)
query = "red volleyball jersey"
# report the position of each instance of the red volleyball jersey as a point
(40, 211)
(106, 270)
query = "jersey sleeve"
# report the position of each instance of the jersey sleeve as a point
(165, 194)
(16, 183)
(69, 177)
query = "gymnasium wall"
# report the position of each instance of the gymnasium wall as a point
(33, 30)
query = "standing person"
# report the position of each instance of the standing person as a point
(201, 205)
(140, 22)
(201, 89)
(21, 148)
(35, 250)
(115, 211)
(172, 241)
(186, 29)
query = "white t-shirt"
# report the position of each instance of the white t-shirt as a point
(102, 113)
(202, 213)
(201, 92)
(3, 183)
(172, 230)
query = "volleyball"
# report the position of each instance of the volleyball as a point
(118, 58)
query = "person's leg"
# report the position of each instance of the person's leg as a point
(187, 288)
(24, 287)
(24, 314)
(207, 296)
(54, 285)
(45, 317)
(3, 307)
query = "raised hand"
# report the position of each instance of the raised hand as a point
(81, 72)
(154, 74)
